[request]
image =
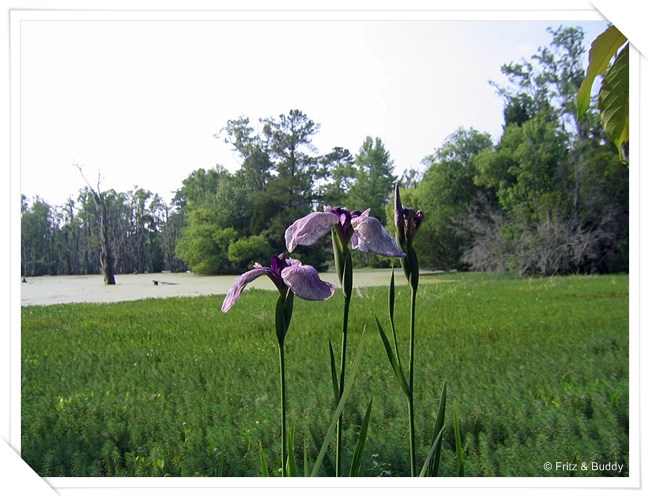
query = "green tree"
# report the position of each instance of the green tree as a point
(249, 250)
(341, 171)
(67, 236)
(256, 165)
(373, 178)
(446, 193)
(280, 176)
(204, 244)
(523, 171)
(36, 233)
(548, 82)
(288, 140)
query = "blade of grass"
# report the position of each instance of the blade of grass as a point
(291, 458)
(357, 458)
(264, 467)
(459, 447)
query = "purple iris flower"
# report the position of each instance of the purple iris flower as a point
(407, 220)
(366, 233)
(285, 273)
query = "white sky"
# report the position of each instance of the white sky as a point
(140, 100)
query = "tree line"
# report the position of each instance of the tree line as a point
(65, 240)
(549, 197)
(218, 222)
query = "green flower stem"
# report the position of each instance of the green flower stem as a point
(283, 408)
(343, 261)
(410, 398)
(344, 341)
(283, 311)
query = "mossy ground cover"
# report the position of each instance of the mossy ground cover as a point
(537, 369)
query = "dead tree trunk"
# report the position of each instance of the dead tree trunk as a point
(105, 255)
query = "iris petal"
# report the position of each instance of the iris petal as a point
(305, 283)
(234, 293)
(309, 229)
(357, 243)
(373, 237)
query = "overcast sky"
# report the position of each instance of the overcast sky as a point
(141, 100)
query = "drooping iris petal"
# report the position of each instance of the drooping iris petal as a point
(358, 244)
(309, 229)
(234, 293)
(372, 236)
(305, 283)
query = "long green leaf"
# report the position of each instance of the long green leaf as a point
(347, 273)
(440, 422)
(391, 297)
(614, 100)
(434, 448)
(222, 461)
(335, 382)
(602, 50)
(265, 468)
(391, 313)
(397, 368)
(288, 308)
(357, 458)
(280, 320)
(415, 269)
(339, 408)
(459, 446)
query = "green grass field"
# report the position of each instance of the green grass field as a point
(537, 369)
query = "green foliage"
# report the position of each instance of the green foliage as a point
(614, 100)
(534, 151)
(538, 369)
(204, 245)
(340, 163)
(548, 82)
(250, 250)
